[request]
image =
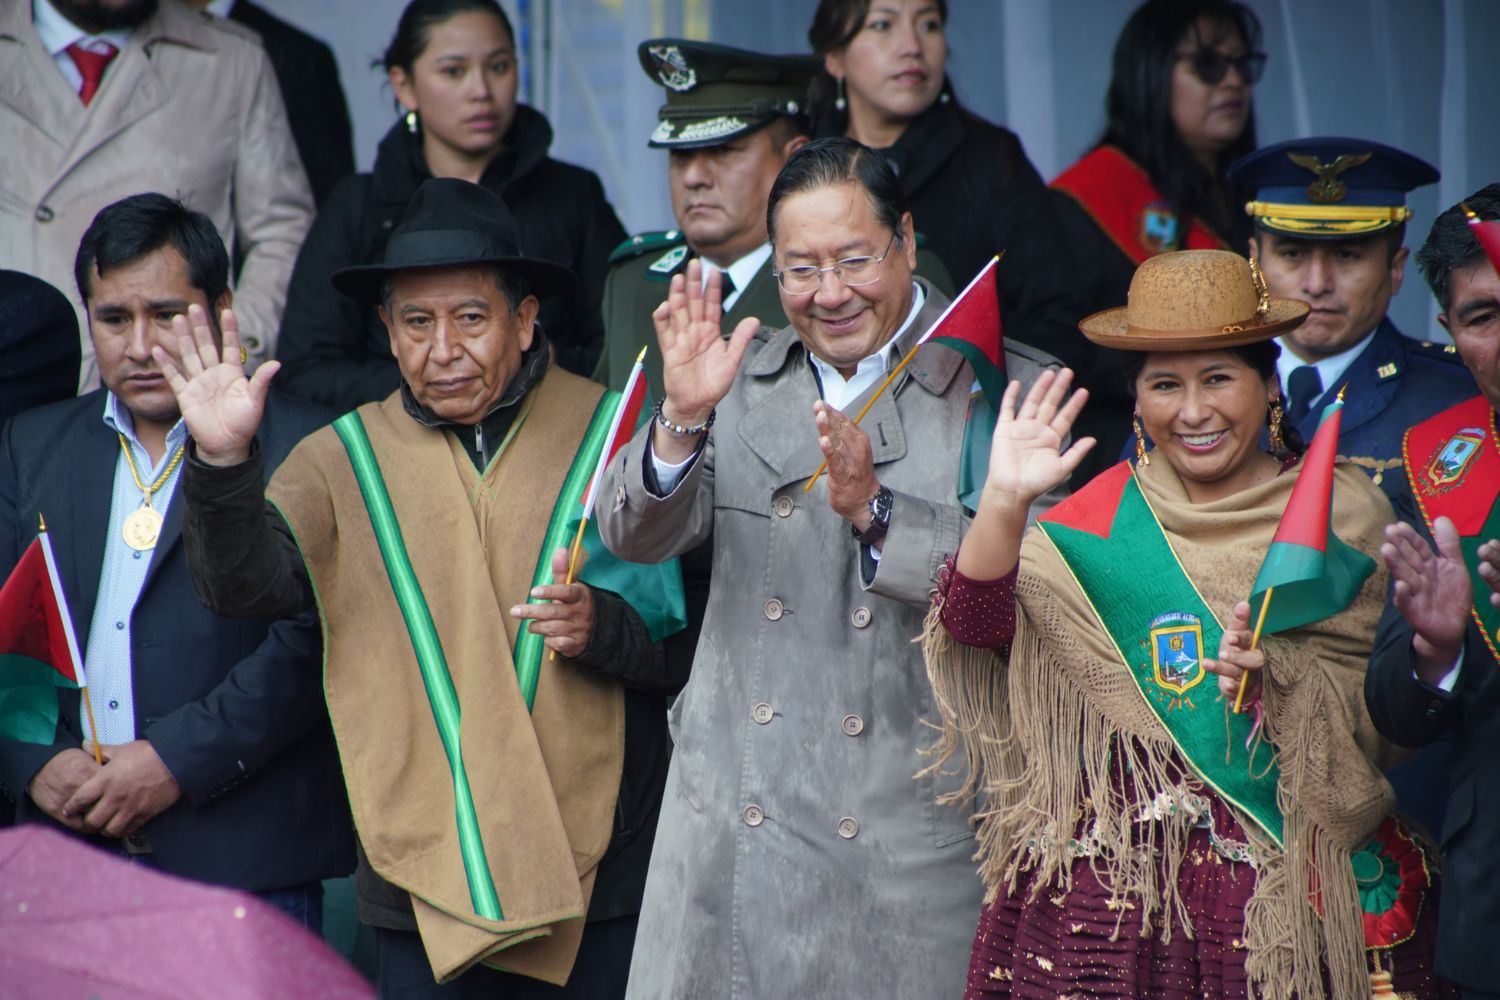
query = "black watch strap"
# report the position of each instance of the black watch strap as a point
(880, 517)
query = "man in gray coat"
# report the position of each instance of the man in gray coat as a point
(796, 855)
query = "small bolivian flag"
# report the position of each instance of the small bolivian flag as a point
(1313, 573)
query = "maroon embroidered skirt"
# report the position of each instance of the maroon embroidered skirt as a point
(1060, 946)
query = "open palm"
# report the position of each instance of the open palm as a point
(1027, 457)
(1432, 589)
(698, 364)
(221, 407)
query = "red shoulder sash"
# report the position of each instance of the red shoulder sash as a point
(1453, 463)
(1120, 198)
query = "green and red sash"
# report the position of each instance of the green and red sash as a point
(1123, 562)
(1453, 463)
(1120, 198)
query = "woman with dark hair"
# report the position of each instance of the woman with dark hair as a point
(453, 67)
(1180, 113)
(1139, 838)
(971, 188)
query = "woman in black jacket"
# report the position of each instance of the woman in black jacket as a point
(973, 192)
(452, 66)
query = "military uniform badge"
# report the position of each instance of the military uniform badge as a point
(669, 262)
(672, 68)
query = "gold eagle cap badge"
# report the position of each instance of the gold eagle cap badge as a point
(1328, 188)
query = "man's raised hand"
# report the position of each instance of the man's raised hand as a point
(698, 364)
(221, 407)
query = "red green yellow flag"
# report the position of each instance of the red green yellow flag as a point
(38, 650)
(1310, 574)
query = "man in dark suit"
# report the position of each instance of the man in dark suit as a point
(309, 78)
(219, 758)
(1434, 671)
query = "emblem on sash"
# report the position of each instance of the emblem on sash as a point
(1177, 652)
(1451, 461)
(1158, 228)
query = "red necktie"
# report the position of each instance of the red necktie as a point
(90, 67)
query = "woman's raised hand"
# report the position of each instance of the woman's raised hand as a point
(1026, 454)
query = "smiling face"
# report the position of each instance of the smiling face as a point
(1473, 320)
(1206, 411)
(1348, 283)
(130, 310)
(822, 226)
(719, 192)
(456, 340)
(1209, 116)
(893, 68)
(463, 88)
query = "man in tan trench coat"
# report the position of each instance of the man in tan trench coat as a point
(796, 854)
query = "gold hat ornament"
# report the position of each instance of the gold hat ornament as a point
(1195, 300)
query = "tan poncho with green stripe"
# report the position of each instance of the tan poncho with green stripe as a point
(544, 784)
(1038, 728)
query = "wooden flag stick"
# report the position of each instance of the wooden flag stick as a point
(1260, 623)
(572, 567)
(88, 705)
(883, 386)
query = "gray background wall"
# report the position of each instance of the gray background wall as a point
(1422, 75)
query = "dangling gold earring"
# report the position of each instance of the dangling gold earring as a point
(1141, 456)
(838, 102)
(411, 122)
(1277, 442)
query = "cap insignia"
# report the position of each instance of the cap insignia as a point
(672, 68)
(1328, 188)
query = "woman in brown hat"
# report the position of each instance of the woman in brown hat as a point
(1140, 838)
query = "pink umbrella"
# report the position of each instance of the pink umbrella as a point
(77, 923)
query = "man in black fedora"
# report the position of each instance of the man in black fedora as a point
(505, 798)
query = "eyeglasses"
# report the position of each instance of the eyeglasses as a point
(804, 279)
(1210, 65)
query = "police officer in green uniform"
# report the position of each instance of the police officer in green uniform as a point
(731, 120)
(1330, 220)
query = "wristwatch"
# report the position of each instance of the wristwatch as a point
(880, 517)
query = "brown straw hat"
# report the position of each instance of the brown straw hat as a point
(1192, 300)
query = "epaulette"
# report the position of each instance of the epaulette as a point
(1446, 353)
(643, 243)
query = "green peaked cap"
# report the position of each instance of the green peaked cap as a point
(715, 92)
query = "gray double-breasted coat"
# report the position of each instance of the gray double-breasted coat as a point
(796, 855)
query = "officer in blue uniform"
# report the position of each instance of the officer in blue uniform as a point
(1330, 220)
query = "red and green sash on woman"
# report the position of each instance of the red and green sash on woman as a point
(1453, 462)
(1120, 198)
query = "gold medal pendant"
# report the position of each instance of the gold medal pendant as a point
(142, 528)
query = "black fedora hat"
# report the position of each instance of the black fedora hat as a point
(448, 223)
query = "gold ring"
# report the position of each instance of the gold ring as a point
(244, 356)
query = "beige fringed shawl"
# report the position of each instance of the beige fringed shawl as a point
(1021, 721)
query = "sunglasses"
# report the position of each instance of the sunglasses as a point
(1210, 65)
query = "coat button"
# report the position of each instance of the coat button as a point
(44, 214)
(762, 713)
(853, 725)
(783, 506)
(848, 827)
(774, 610)
(860, 618)
(753, 815)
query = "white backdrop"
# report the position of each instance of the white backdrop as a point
(1422, 75)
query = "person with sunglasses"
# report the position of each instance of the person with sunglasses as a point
(790, 812)
(1179, 112)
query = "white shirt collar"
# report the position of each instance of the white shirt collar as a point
(1330, 369)
(117, 417)
(219, 8)
(741, 272)
(57, 32)
(839, 391)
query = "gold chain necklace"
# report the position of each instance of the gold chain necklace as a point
(142, 526)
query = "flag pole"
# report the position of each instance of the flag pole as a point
(572, 567)
(907, 360)
(88, 703)
(1260, 623)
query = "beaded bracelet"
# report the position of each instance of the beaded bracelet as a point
(678, 428)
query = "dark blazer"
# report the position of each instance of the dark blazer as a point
(315, 107)
(1394, 383)
(234, 708)
(1410, 713)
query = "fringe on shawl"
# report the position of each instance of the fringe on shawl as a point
(1039, 752)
